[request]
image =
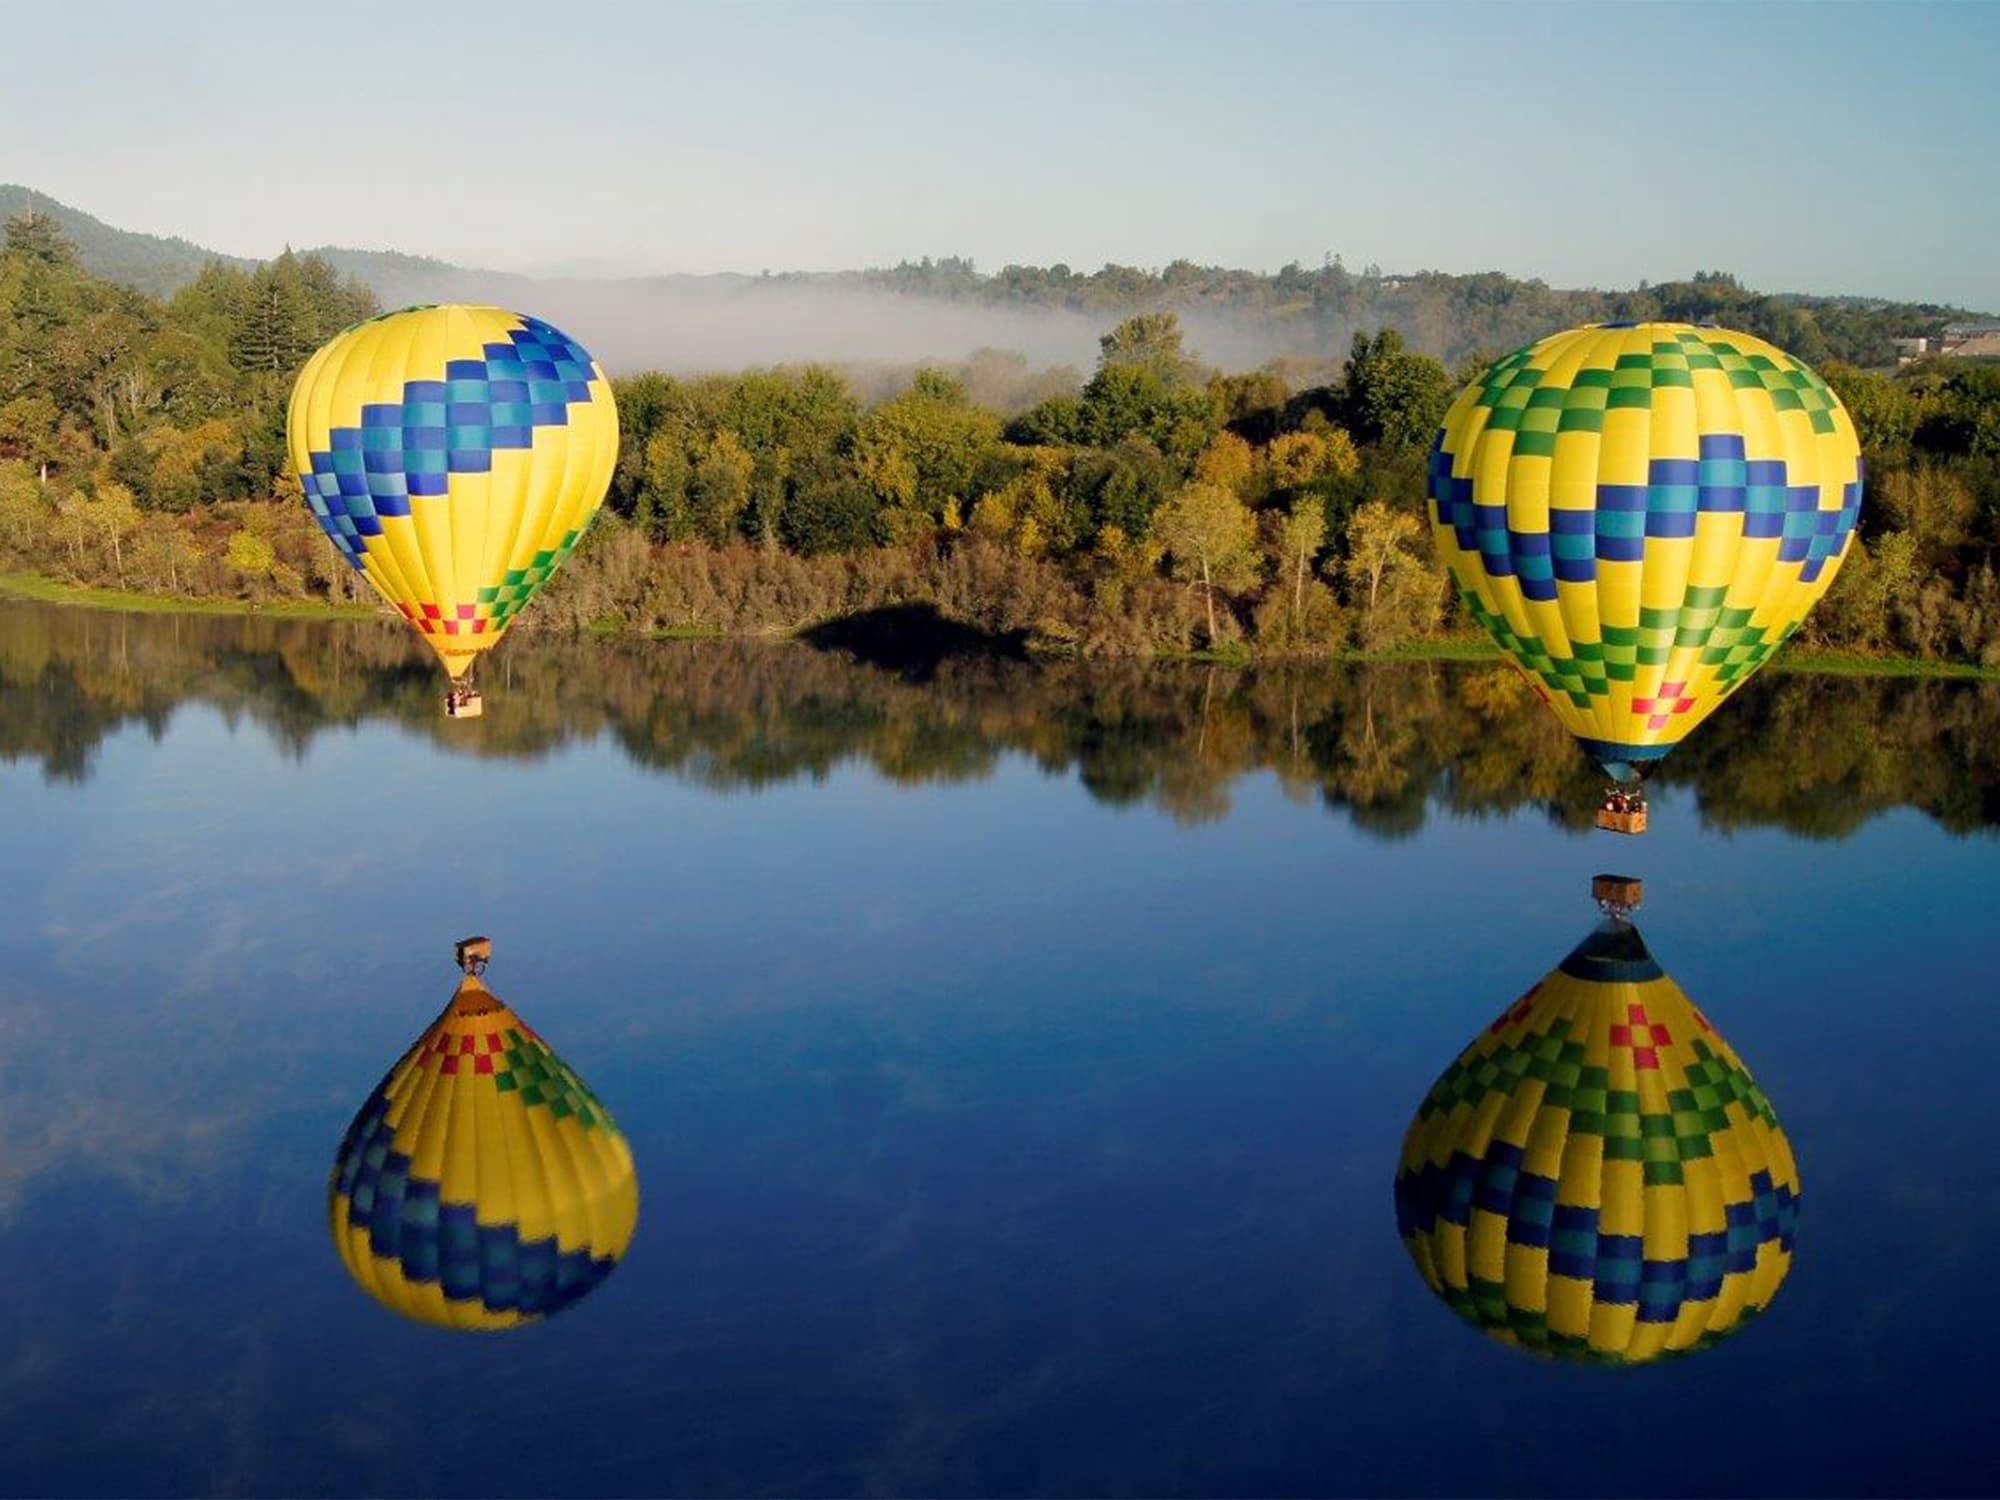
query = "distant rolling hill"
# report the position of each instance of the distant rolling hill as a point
(149, 262)
(161, 265)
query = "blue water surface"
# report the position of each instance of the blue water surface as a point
(993, 1137)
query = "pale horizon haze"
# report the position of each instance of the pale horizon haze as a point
(1804, 147)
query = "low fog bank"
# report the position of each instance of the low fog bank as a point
(697, 324)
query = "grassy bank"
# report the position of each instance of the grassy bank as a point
(1449, 649)
(49, 591)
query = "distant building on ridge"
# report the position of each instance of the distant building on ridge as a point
(1956, 341)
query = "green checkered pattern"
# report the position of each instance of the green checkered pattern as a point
(1521, 402)
(1728, 642)
(519, 584)
(1555, 1059)
(540, 1077)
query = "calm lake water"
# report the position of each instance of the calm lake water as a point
(1015, 1059)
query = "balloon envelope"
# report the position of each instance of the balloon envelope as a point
(482, 1185)
(1598, 1177)
(454, 455)
(1640, 514)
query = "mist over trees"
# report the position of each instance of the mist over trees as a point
(941, 311)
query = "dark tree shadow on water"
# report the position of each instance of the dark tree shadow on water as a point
(912, 639)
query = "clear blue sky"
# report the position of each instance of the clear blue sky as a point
(1838, 147)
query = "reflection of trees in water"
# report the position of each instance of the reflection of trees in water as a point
(1817, 755)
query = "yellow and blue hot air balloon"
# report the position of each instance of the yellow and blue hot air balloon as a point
(454, 455)
(1640, 514)
(1598, 1177)
(482, 1186)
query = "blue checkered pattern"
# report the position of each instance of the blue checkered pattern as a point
(435, 1242)
(1723, 481)
(407, 448)
(1614, 1264)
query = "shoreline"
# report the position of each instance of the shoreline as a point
(43, 590)
(36, 588)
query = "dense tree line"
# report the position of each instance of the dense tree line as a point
(1156, 505)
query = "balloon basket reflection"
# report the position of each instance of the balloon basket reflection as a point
(1617, 895)
(464, 703)
(474, 953)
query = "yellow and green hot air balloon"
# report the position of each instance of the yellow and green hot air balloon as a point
(482, 1186)
(1640, 514)
(454, 455)
(1597, 1177)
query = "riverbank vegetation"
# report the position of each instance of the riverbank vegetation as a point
(1156, 506)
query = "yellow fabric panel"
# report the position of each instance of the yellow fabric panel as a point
(1569, 1306)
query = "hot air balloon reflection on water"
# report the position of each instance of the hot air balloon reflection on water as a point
(1640, 514)
(482, 1185)
(455, 455)
(1598, 1177)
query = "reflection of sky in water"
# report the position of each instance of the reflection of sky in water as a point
(991, 1138)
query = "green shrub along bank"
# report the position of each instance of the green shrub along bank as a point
(1157, 506)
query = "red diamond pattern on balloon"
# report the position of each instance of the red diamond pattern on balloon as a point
(1671, 699)
(1642, 1036)
(1515, 1011)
